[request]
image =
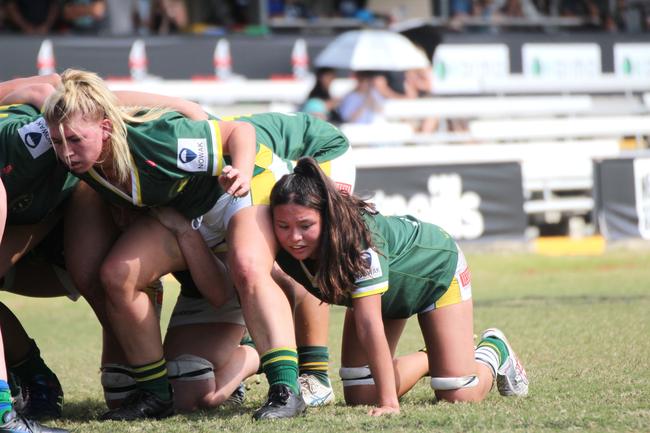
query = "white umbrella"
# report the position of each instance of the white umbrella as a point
(371, 50)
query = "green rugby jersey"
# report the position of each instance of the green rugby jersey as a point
(283, 138)
(411, 268)
(174, 162)
(294, 135)
(35, 181)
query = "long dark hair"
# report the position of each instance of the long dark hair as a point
(344, 233)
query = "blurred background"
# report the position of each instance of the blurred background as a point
(517, 121)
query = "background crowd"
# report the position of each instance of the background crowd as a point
(128, 17)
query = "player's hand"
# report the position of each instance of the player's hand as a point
(383, 410)
(173, 220)
(233, 182)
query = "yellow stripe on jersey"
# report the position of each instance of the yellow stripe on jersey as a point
(6, 107)
(106, 184)
(374, 289)
(137, 190)
(182, 184)
(452, 295)
(4, 115)
(261, 186)
(326, 167)
(264, 156)
(217, 148)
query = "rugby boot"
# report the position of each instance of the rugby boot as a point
(42, 397)
(281, 402)
(511, 376)
(140, 405)
(12, 422)
(313, 392)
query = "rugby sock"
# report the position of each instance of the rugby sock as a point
(313, 360)
(30, 366)
(5, 399)
(153, 378)
(281, 366)
(492, 352)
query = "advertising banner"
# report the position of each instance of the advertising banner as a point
(622, 197)
(470, 201)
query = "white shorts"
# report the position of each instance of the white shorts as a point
(193, 311)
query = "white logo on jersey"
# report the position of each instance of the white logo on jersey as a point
(36, 137)
(192, 154)
(374, 268)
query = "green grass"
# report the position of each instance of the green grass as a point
(581, 326)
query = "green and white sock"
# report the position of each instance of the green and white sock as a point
(491, 352)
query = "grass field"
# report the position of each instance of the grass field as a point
(581, 326)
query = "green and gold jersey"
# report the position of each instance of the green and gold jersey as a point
(35, 181)
(282, 139)
(411, 267)
(294, 135)
(174, 162)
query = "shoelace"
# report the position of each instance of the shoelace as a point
(278, 396)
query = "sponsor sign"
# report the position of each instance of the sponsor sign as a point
(192, 154)
(632, 60)
(466, 68)
(469, 201)
(561, 61)
(36, 137)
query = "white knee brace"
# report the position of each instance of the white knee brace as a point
(189, 367)
(355, 376)
(451, 383)
(117, 381)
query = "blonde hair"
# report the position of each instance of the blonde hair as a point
(86, 94)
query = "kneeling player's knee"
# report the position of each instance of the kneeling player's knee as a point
(456, 389)
(190, 368)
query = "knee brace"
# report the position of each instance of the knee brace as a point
(355, 376)
(189, 367)
(451, 383)
(117, 381)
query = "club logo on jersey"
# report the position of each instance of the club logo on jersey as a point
(36, 137)
(192, 154)
(371, 258)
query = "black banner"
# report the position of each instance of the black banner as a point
(622, 197)
(470, 201)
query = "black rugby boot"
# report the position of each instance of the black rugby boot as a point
(282, 402)
(139, 405)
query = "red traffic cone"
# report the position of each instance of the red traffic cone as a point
(138, 61)
(222, 60)
(45, 63)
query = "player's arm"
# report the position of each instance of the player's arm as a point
(370, 332)
(29, 90)
(189, 109)
(238, 141)
(208, 272)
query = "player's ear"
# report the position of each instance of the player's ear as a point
(107, 129)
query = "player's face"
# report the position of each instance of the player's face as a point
(298, 230)
(83, 142)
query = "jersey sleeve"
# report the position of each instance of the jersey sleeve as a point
(323, 141)
(375, 280)
(181, 147)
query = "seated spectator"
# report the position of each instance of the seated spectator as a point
(631, 18)
(32, 17)
(84, 16)
(321, 92)
(171, 16)
(365, 103)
